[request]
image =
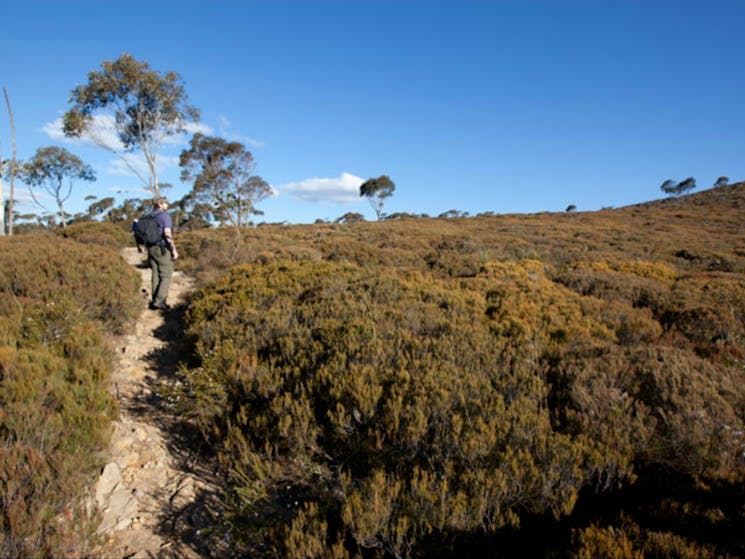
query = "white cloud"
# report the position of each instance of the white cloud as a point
(54, 130)
(23, 202)
(344, 189)
(233, 137)
(23, 196)
(190, 128)
(194, 127)
(136, 162)
(102, 131)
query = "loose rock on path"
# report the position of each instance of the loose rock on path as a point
(151, 494)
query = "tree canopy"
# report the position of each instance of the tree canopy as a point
(350, 217)
(146, 108)
(376, 190)
(54, 169)
(672, 188)
(223, 175)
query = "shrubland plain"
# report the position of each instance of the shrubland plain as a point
(546, 385)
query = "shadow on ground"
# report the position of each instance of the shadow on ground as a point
(189, 526)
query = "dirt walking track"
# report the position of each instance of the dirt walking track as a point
(152, 491)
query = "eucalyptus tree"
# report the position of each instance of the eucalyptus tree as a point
(672, 188)
(223, 176)
(53, 170)
(350, 217)
(376, 191)
(128, 210)
(144, 107)
(100, 207)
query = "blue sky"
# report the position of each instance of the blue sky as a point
(509, 106)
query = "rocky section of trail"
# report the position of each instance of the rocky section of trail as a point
(149, 493)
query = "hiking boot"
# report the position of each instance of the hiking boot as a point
(159, 307)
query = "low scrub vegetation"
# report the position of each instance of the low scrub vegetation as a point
(560, 385)
(567, 384)
(101, 233)
(58, 298)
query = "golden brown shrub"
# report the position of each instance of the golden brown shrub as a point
(56, 296)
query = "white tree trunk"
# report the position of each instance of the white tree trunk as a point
(11, 198)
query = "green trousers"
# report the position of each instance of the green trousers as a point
(161, 265)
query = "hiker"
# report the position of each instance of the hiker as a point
(161, 255)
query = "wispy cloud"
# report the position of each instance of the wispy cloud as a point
(102, 131)
(136, 162)
(191, 128)
(23, 202)
(226, 133)
(344, 189)
(23, 196)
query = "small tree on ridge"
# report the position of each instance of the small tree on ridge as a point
(377, 190)
(672, 188)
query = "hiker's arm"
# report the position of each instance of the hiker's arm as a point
(168, 234)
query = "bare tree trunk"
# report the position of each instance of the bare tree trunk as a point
(11, 198)
(2, 198)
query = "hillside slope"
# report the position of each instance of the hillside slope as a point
(701, 231)
(434, 387)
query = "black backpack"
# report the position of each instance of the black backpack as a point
(147, 231)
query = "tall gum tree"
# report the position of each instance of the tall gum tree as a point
(145, 106)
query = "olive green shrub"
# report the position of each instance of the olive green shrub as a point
(93, 281)
(629, 541)
(104, 233)
(356, 409)
(423, 386)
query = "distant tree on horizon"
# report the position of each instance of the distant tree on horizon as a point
(376, 191)
(100, 207)
(54, 169)
(672, 188)
(448, 214)
(403, 215)
(721, 181)
(144, 107)
(350, 217)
